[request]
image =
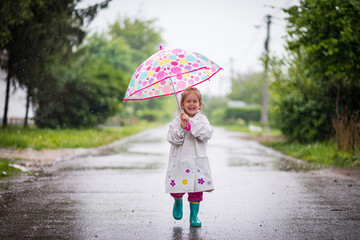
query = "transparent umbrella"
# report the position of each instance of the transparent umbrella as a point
(168, 72)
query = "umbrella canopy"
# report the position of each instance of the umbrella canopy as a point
(169, 71)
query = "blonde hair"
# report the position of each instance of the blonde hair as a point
(189, 90)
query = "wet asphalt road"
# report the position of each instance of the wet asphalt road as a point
(118, 193)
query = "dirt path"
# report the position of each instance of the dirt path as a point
(34, 158)
(46, 155)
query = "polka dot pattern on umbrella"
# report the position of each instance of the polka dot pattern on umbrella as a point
(184, 68)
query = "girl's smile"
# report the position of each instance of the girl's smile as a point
(191, 104)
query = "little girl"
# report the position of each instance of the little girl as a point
(189, 169)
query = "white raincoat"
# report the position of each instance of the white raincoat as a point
(189, 169)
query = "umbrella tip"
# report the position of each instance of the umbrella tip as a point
(161, 48)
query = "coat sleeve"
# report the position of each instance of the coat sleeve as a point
(201, 128)
(176, 134)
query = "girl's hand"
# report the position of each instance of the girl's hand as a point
(184, 117)
(184, 124)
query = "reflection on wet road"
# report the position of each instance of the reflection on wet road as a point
(119, 194)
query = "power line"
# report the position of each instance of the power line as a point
(275, 20)
(251, 43)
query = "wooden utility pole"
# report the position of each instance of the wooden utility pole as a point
(265, 97)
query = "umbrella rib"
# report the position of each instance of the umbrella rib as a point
(177, 100)
(172, 84)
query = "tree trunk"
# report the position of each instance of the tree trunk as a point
(354, 134)
(27, 109)
(338, 119)
(7, 96)
(337, 102)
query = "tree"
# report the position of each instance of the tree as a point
(127, 43)
(324, 69)
(13, 12)
(88, 88)
(113, 51)
(247, 88)
(52, 29)
(89, 93)
(139, 35)
(125, 46)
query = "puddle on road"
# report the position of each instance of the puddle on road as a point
(297, 166)
(135, 147)
(273, 163)
(250, 161)
(150, 166)
(256, 156)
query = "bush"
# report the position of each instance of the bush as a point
(148, 115)
(78, 105)
(248, 114)
(154, 115)
(304, 121)
(217, 116)
(82, 93)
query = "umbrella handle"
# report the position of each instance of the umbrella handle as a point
(177, 100)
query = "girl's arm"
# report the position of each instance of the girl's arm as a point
(176, 134)
(201, 128)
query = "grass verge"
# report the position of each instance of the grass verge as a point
(20, 138)
(323, 153)
(6, 169)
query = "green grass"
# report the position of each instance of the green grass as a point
(20, 138)
(6, 170)
(324, 153)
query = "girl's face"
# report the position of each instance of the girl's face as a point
(191, 104)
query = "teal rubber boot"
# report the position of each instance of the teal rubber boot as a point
(178, 208)
(194, 209)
